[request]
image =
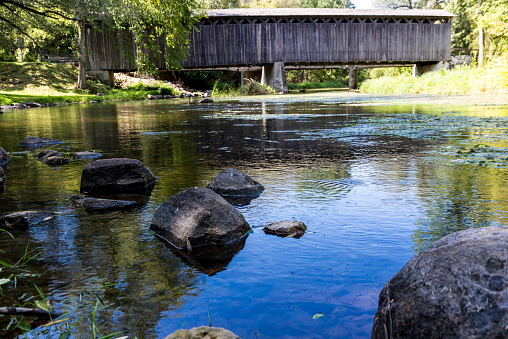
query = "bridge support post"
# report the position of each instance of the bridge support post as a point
(274, 75)
(419, 69)
(111, 79)
(353, 78)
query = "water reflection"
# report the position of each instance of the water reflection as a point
(372, 183)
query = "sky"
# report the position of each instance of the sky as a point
(363, 4)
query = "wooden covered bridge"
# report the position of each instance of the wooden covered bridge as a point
(272, 40)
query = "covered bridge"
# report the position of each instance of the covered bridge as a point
(272, 40)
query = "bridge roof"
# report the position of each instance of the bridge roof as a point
(327, 12)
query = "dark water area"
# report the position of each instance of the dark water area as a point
(375, 185)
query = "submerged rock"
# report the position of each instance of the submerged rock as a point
(202, 333)
(108, 176)
(21, 221)
(286, 227)
(458, 288)
(35, 142)
(4, 157)
(97, 205)
(198, 217)
(231, 182)
(32, 104)
(87, 155)
(206, 101)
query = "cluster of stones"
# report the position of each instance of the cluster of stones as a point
(457, 288)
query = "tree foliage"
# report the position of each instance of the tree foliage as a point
(146, 18)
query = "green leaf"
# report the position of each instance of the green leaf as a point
(318, 315)
(41, 305)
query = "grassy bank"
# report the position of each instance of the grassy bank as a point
(318, 85)
(463, 80)
(52, 83)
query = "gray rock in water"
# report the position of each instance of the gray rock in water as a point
(17, 105)
(197, 217)
(231, 182)
(21, 221)
(458, 288)
(87, 155)
(52, 158)
(286, 228)
(35, 142)
(4, 157)
(202, 333)
(97, 205)
(32, 104)
(109, 176)
(206, 101)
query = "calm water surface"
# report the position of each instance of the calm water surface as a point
(375, 184)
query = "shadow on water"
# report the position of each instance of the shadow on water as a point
(373, 184)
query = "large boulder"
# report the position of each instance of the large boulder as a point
(4, 157)
(197, 217)
(231, 182)
(456, 289)
(36, 142)
(21, 221)
(109, 176)
(202, 333)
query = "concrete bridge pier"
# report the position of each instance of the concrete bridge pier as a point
(353, 78)
(274, 75)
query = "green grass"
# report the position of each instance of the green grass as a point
(51, 83)
(318, 85)
(462, 80)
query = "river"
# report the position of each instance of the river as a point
(375, 180)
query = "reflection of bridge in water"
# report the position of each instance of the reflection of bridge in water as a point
(268, 41)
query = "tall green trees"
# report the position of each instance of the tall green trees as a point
(146, 18)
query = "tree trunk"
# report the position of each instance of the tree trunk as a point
(82, 55)
(481, 42)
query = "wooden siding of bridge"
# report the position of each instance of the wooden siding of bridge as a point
(217, 42)
(347, 42)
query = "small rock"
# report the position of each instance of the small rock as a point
(202, 333)
(198, 217)
(32, 104)
(286, 228)
(100, 94)
(87, 155)
(17, 105)
(6, 107)
(4, 157)
(57, 103)
(116, 176)
(206, 101)
(97, 205)
(48, 153)
(20, 221)
(54, 161)
(153, 97)
(458, 288)
(35, 142)
(94, 101)
(182, 95)
(231, 182)
(52, 158)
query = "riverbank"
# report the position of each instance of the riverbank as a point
(492, 79)
(55, 84)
